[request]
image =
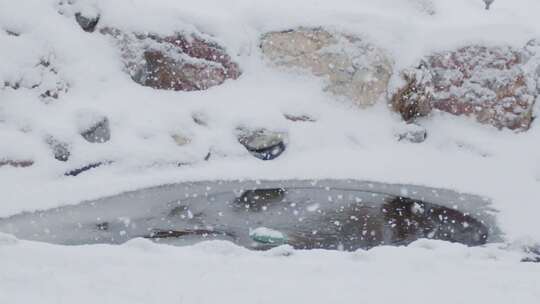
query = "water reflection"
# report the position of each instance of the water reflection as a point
(342, 215)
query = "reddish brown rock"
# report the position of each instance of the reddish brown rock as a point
(488, 83)
(181, 62)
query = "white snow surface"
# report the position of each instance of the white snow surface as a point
(143, 272)
(344, 142)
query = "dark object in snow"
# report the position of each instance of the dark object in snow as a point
(80, 170)
(532, 255)
(412, 133)
(60, 149)
(12, 33)
(98, 132)
(488, 3)
(88, 24)
(262, 143)
(299, 118)
(16, 163)
(339, 215)
(487, 83)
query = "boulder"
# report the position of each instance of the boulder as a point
(262, 143)
(180, 62)
(487, 83)
(353, 67)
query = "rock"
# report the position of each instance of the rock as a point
(60, 149)
(97, 131)
(532, 254)
(487, 83)
(181, 62)
(16, 163)
(424, 6)
(412, 133)
(299, 118)
(43, 78)
(87, 23)
(200, 118)
(181, 139)
(353, 67)
(83, 169)
(12, 33)
(262, 143)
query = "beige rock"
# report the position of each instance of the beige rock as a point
(181, 139)
(353, 67)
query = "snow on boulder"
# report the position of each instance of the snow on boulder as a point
(353, 67)
(487, 83)
(180, 62)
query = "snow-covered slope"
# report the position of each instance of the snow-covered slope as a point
(344, 142)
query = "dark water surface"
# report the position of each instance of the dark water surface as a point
(306, 214)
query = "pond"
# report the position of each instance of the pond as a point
(305, 214)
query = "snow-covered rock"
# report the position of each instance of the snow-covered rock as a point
(43, 79)
(94, 127)
(412, 133)
(263, 143)
(354, 68)
(180, 62)
(60, 149)
(87, 23)
(487, 83)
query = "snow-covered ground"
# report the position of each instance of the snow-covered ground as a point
(344, 142)
(142, 272)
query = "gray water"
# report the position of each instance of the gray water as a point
(329, 214)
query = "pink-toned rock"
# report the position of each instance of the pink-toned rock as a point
(181, 62)
(487, 83)
(16, 163)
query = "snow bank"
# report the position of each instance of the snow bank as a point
(210, 272)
